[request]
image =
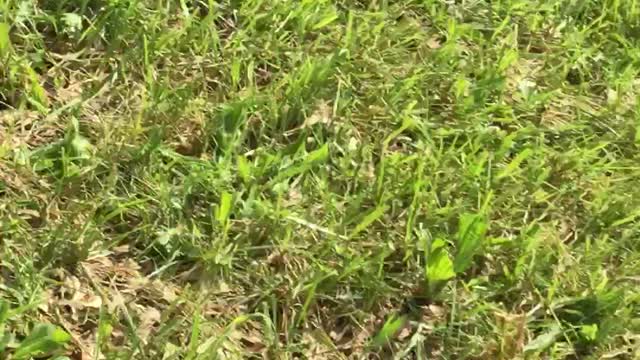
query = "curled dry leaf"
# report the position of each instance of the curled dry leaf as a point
(120, 250)
(82, 299)
(404, 333)
(248, 337)
(293, 196)
(162, 290)
(117, 301)
(276, 259)
(322, 115)
(362, 334)
(434, 43)
(148, 318)
(66, 94)
(20, 128)
(124, 275)
(336, 336)
(437, 311)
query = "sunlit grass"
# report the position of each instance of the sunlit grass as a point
(319, 179)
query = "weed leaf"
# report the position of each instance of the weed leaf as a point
(389, 329)
(544, 341)
(314, 157)
(439, 265)
(514, 165)
(43, 339)
(5, 41)
(471, 231)
(222, 214)
(368, 220)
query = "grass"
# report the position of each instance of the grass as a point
(319, 179)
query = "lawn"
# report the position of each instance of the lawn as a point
(315, 179)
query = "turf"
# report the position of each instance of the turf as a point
(315, 179)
